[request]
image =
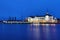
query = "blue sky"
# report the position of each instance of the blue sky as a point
(24, 8)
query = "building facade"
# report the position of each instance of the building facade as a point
(44, 18)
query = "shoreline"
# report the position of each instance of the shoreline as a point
(29, 23)
(26, 22)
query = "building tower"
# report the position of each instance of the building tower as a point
(47, 16)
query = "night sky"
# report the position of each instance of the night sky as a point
(25, 8)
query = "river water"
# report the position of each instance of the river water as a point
(29, 31)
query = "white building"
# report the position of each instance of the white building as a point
(44, 18)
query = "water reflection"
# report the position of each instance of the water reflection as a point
(43, 24)
(42, 31)
(46, 32)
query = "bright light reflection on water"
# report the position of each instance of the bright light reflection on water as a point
(43, 24)
(42, 31)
